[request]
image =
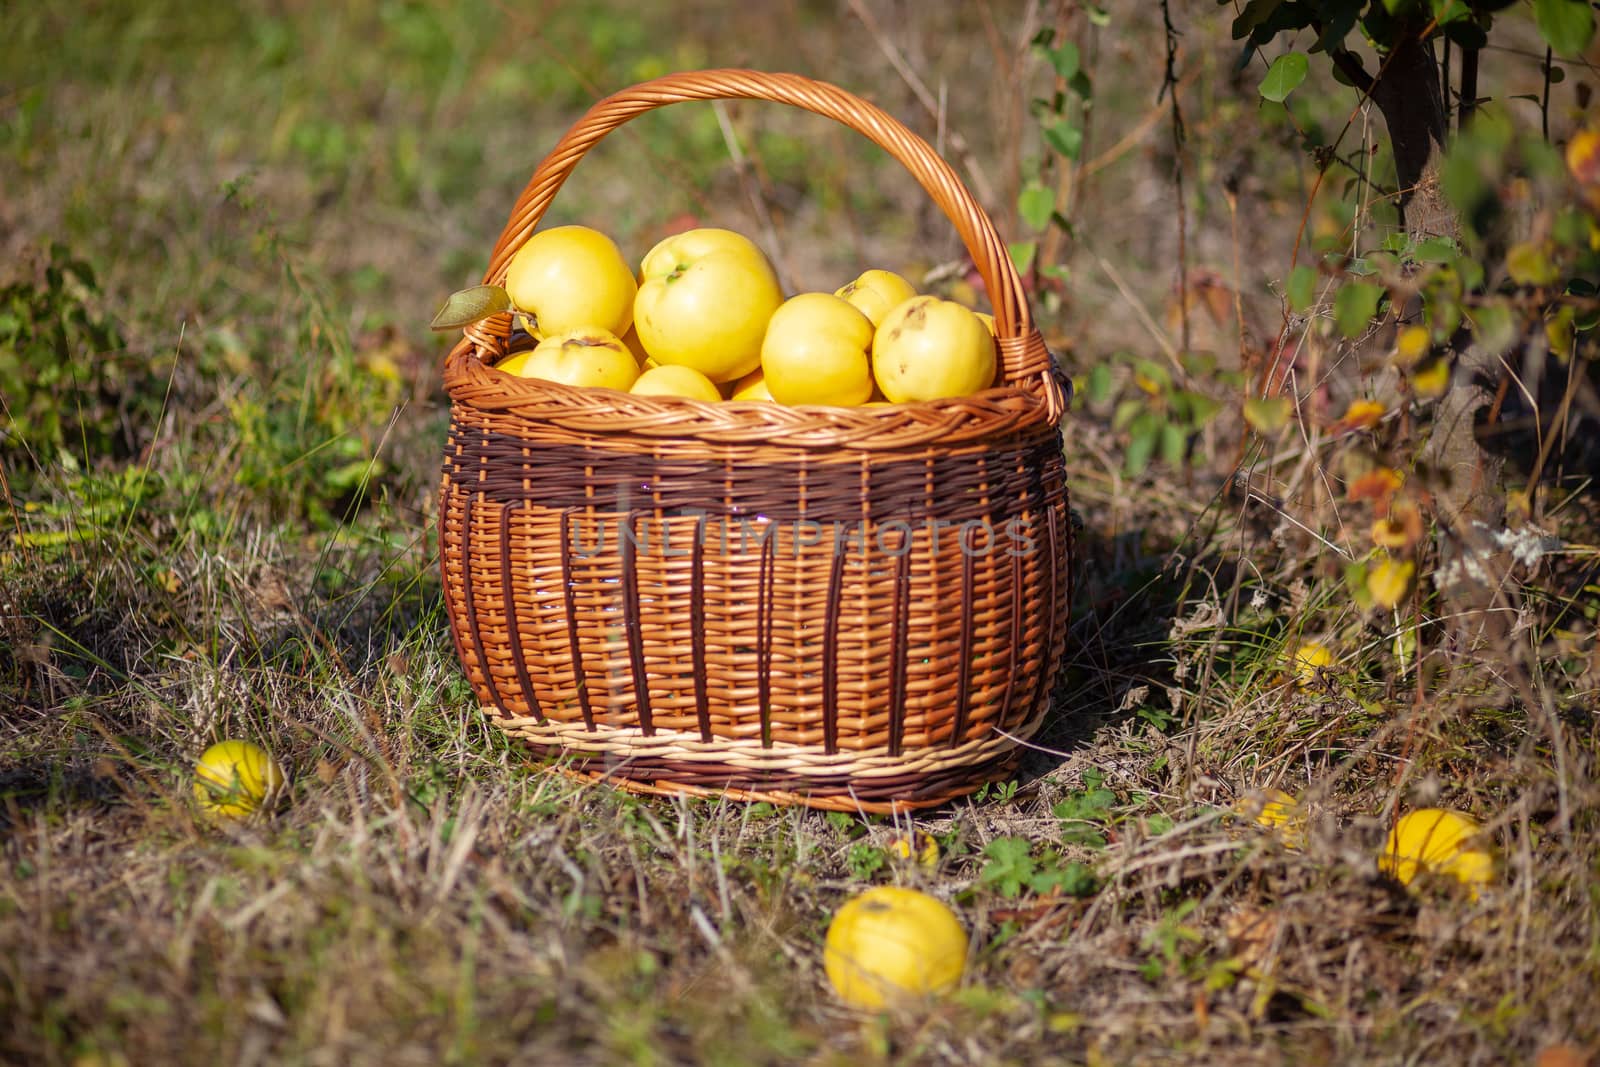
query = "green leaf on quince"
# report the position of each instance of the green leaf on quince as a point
(471, 305)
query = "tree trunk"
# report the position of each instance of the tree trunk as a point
(1408, 93)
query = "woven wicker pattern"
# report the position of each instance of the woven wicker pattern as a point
(855, 608)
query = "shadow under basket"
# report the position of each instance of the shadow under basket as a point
(859, 609)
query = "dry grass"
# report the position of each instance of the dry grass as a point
(426, 894)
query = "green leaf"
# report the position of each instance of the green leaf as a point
(1073, 878)
(1529, 263)
(1079, 879)
(865, 861)
(1099, 390)
(1202, 409)
(1036, 203)
(1338, 18)
(471, 305)
(1254, 14)
(1153, 373)
(1064, 59)
(1268, 414)
(1360, 266)
(1127, 410)
(1301, 287)
(1436, 250)
(1009, 864)
(1065, 138)
(1354, 306)
(1144, 435)
(1022, 253)
(1174, 445)
(1091, 805)
(1442, 312)
(1286, 72)
(1494, 326)
(1567, 26)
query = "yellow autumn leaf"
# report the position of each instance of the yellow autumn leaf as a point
(1309, 658)
(1401, 528)
(1559, 333)
(1531, 263)
(1432, 378)
(1377, 484)
(1583, 155)
(1389, 581)
(918, 845)
(1386, 533)
(1583, 160)
(1278, 811)
(1411, 345)
(1360, 415)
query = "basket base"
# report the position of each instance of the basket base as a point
(852, 803)
(863, 784)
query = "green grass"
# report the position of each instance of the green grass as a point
(229, 531)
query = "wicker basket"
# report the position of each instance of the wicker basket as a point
(859, 609)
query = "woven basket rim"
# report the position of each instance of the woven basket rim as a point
(480, 388)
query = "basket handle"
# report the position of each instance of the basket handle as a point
(1025, 361)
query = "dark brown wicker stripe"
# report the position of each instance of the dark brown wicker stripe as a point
(1054, 593)
(830, 649)
(697, 630)
(964, 666)
(478, 642)
(631, 628)
(1013, 644)
(971, 486)
(764, 612)
(570, 614)
(513, 629)
(899, 652)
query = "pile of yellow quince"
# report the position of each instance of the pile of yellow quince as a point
(706, 318)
